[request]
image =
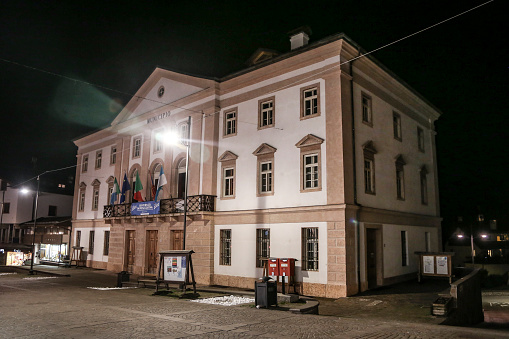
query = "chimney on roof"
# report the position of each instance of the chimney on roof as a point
(299, 37)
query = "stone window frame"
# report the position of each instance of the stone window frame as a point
(91, 242)
(310, 145)
(82, 197)
(137, 141)
(78, 238)
(95, 194)
(420, 140)
(234, 122)
(225, 247)
(113, 155)
(303, 100)
(262, 246)
(228, 161)
(84, 163)
(404, 248)
(423, 179)
(106, 243)
(158, 143)
(264, 154)
(400, 177)
(396, 126)
(98, 159)
(367, 119)
(369, 151)
(260, 112)
(111, 182)
(310, 235)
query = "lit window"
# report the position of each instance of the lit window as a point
(225, 247)
(310, 249)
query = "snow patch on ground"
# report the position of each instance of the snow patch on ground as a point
(38, 278)
(110, 288)
(226, 300)
(8, 273)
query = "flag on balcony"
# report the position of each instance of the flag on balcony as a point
(137, 188)
(114, 193)
(160, 183)
(153, 187)
(125, 187)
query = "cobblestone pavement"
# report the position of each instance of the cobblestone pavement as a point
(65, 306)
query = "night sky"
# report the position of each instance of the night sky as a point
(51, 51)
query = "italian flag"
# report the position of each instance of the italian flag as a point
(137, 188)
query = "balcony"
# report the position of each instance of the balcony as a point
(195, 203)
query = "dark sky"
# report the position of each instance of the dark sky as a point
(48, 49)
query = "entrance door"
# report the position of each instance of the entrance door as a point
(152, 250)
(129, 251)
(371, 258)
(177, 239)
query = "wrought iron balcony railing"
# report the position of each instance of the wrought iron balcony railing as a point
(195, 203)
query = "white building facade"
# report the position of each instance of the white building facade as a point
(303, 156)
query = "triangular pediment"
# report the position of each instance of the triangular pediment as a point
(369, 147)
(260, 55)
(309, 140)
(162, 88)
(399, 160)
(264, 149)
(227, 155)
(96, 182)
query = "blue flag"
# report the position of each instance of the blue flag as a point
(160, 183)
(115, 192)
(125, 187)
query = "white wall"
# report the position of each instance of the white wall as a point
(285, 242)
(98, 242)
(288, 130)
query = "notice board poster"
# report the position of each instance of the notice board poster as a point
(175, 268)
(428, 263)
(442, 265)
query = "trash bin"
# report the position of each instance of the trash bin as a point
(122, 277)
(265, 293)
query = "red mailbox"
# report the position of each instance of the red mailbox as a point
(287, 267)
(273, 267)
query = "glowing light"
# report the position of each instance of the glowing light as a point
(460, 236)
(170, 138)
(484, 236)
(25, 190)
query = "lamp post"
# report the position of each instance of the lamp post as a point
(31, 272)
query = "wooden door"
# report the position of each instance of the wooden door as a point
(152, 250)
(130, 251)
(371, 258)
(177, 240)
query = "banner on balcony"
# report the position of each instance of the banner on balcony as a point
(145, 208)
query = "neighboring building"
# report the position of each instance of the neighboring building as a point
(17, 223)
(301, 155)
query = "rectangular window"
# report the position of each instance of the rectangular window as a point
(84, 163)
(81, 207)
(311, 179)
(52, 211)
(404, 249)
(396, 126)
(427, 239)
(424, 188)
(369, 176)
(367, 116)
(266, 113)
(6, 207)
(113, 156)
(310, 104)
(182, 130)
(310, 249)
(265, 176)
(110, 192)
(106, 248)
(228, 182)
(91, 241)
(262, 246)
(98, 159)
(400, 184)
(420, 139)
(78, 239)
(158, 145)
(137, 147)
(230, 123)
(225, 247)
(95, 199)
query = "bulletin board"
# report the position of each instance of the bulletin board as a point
(176, 267)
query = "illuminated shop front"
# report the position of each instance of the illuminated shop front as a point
(14, 254)
(52, 252)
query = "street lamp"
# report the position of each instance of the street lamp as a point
(472, 250)
(174, 138)
(25, 191)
